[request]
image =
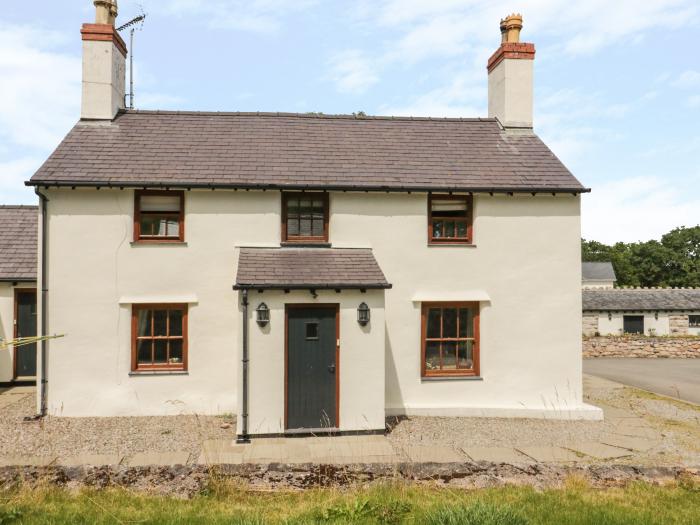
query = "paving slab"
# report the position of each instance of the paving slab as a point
(26, 461)
(599, 450)
(629, 442)
(145, 459)
(90, 459)
(496, 455)
(432, 454)
(549, 454)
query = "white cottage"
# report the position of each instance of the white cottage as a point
(309, 272)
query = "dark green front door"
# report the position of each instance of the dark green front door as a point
(311, 367)
(25, 319)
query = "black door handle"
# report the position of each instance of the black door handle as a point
(331, 368)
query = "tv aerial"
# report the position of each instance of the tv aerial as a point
(133, 24)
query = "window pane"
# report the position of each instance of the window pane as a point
(449, 322)
(432, 356)
(311, 330)
(160, 322)
(173, 227)
(305, 227)
(437, 229)
(160, 351)
(160, 203)
(175, 322)
(433, 329)
(465, 354)
(448, 208)
(449, 229)
(317, 227)
(144, 323)
(175, 352)
(292, 207)
(143, 352)
(466, 323)
(293, 227)
(461, 229)
(150, 224)
(449, 356)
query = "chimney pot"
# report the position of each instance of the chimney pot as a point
(513, 23)
(106, 11)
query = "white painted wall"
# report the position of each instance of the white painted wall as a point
(614, 325)
(7, 327)
(525, 269)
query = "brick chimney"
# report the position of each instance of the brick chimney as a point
(104, 68)
(510, 77)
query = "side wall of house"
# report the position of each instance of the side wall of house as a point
(525, 270)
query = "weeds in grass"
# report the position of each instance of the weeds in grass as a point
(477, 514)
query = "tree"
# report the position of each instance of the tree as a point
(673, 261)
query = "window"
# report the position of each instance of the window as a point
(694, 321)
(633, 324)
(159, 337)
(305, 217)
(449, 219)
(159, 216)
(450, 334)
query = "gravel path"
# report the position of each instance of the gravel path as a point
(109, 435)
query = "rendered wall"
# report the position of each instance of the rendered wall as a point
(511, 92)
(525, 268)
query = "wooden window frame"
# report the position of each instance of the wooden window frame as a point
(469, 218)
(165, 367)
(307, 239)
(137, 216)
(472, 372)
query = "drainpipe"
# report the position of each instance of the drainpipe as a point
(43, 283)
(243, 437)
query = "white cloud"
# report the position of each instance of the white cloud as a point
(257, 16)
(637, 209)
(688, 80)
(352, 72)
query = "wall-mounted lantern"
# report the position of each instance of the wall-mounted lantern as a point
(609, 316)
(363, 314)
(263, 314)
(656, 315)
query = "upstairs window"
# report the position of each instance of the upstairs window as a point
(159, 216)
(159, 337)
(305, 217)
(449, 219)
(450, 334)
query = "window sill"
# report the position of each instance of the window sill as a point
(159, 373)
(451, 378)
(305, 244)
(158, 243)
(453, 244)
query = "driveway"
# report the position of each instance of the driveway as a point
(679, 378)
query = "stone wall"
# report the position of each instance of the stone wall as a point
(590, 324)
(641, 346)
(678, 324)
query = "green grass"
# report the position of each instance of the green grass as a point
(226, 503)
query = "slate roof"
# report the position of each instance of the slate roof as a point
(296, 151)
(640, 299)
(18, 243)
(598, 271)
(319, 268)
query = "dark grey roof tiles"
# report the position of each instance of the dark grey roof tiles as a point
(598, 271)
(18, 243)
(281, 150)
(282, 268)
(639, 299)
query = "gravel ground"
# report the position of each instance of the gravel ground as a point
(66, 437)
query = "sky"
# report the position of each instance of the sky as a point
(617, 84)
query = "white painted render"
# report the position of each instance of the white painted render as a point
(525, 266)
(7, 325)
(103, 80)
(511, 92)
(612, 323)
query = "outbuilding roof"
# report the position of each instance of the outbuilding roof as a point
(18, 243)
(641, 299)
(308, 268)
(598, 271)
(297, 151)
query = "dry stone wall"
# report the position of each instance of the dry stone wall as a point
(642, 346)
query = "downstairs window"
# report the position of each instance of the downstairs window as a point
(159, 337)
(450, 339)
